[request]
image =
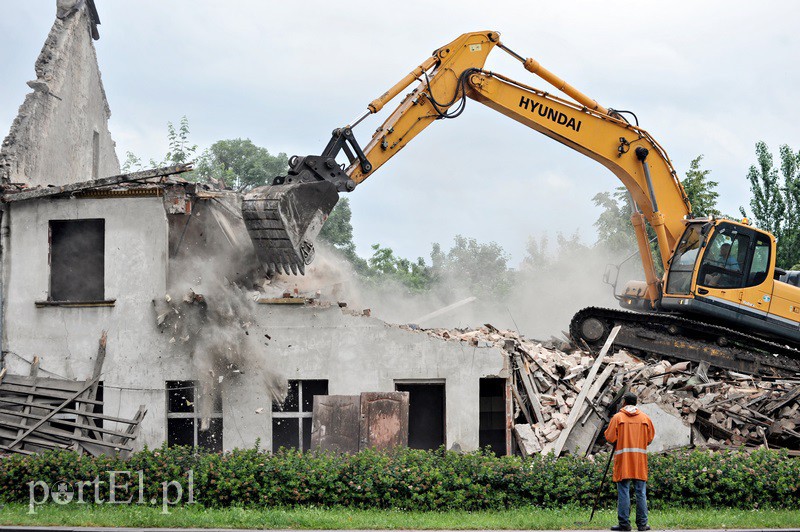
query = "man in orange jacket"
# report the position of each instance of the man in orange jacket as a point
(631, 431)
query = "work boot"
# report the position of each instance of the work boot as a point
(621, 527)
(643, 528)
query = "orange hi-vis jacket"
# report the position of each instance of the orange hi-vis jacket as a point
(632, 431)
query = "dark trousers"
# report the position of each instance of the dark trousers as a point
(624, 502)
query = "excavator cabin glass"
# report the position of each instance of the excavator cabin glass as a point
(733, 257)
(681, 268)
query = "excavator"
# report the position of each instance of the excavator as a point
(720, 300)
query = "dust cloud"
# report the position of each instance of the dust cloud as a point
(209, 309)
(540, 303)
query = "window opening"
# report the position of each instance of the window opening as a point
(183, 419)
(291, 420)
(682, 264)
(724, 259)
(77, 268)
(760, 264)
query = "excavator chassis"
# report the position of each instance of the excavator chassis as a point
(673, 336)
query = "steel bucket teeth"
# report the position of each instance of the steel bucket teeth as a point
(284, 220)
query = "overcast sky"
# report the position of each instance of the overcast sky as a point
(704, 77)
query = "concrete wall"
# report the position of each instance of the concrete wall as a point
(52, 140)
(354, 353)
(66, 339)
(358, 354)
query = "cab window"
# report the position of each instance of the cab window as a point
(682, 263)
(760, 264)
(724, 259)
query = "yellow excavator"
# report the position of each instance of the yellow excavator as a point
(720, 299)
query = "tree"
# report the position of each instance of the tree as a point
(536, 257)
(179, 151)
(482, 269)
(240, 164)
(775, 202)
(701, 190)
(614, 229)
(384, 266)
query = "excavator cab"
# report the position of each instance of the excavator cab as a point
(725, 271)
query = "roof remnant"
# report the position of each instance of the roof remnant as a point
(72, 188)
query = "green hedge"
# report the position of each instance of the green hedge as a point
(419, 480)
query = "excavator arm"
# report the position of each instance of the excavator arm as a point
(296, 205)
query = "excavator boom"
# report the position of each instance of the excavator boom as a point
(719, 276)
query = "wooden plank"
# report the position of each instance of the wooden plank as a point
(91, 394)
(45, 383)
(67, 422)
(787, 398)
(33, 372)
(334, 423)
(384, 420)
(575, 412)
(533, 359)
(53, 412)
(41, 394)
(533, 397)
(522, 406)
(63, 434)
(68, 410)
(8, 434)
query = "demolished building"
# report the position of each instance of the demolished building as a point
(221, 356)
(87, 251)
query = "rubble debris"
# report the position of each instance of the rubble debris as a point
(556, 394)
(39, 414)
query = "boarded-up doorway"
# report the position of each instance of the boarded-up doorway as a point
(426, 419)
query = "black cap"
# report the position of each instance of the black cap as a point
(630, 398)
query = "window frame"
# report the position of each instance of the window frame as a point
(103, 301)
(278, 413)
(193, 415)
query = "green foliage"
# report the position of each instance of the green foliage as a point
(240, 164)
(420, 480)
(701, 190)
(480, 268)
(384, 266)
(614, 230)
(775, 201)
(179, 150)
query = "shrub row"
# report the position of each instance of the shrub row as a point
(413, 479)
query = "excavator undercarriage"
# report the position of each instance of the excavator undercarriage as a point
(684, 338)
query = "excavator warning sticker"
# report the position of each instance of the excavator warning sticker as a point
(475, 47)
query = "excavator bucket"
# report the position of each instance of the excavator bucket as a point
(284, 220)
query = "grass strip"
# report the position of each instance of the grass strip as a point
(195, 516)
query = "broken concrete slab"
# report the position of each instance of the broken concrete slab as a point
(671, 431)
